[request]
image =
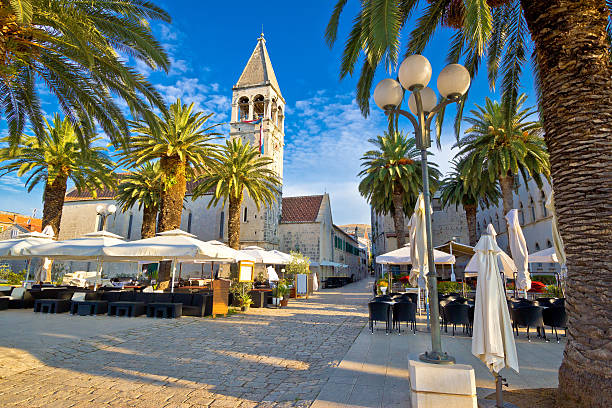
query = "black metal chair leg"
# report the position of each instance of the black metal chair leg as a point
(528, 339)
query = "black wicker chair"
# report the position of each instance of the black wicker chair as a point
(457, 313)
(379, 312)
(555, 317)
(404, 312)
(529, 316)
(414, 297)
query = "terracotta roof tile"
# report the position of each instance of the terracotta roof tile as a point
(29, 223)
(301, 209)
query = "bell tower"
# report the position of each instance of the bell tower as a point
(258, 118)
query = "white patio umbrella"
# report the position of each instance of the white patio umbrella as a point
(402, 257)
(518, 247)
(418, 244)
(264, 257)
(283, 255)
(556, 236)
(89, 246)
(13, 248)
(175, 245)
(492, 337)
(548, 255)
(505, 263)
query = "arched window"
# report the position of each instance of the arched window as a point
(259, 107)
(537, 247)
(549, 244)
(543, 204)
(243, 108)
(189, 222)
(497, 222)
(532, 209)
(245, 214)
(221, 224)
(522, 214)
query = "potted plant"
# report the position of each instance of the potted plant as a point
(383, 286)
(245, 301)
(282, 292)
(299, 265)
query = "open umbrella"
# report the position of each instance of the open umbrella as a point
(13, 248)
(175, 245)
(402, 257)
(492, 337)
(264, 257)
(518, 247)
(89, 246)
(548, 255)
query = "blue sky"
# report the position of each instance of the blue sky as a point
(210, 43)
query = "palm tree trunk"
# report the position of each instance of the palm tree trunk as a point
(171, 203)
(576, 83)
(398, 219)
(233, 222)
(470, 215)
(148, 222)
(173, 194)
(507, 185)
(53, 198)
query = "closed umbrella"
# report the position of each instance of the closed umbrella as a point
(492, 337)
(418, 244)
(505, 263)
(518, 247)
(556, 236)
(272, 275)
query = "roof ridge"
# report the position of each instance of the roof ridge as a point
(258, 69)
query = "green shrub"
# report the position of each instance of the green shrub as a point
(445, 287)
(554, 291)
(11, 278)
(545, 279)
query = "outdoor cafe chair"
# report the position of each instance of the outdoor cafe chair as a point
(404, 312)
(379, 312)
(457, 313)
(414, 297)
(555, 317)
(528, 316)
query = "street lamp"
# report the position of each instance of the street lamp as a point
(414, 75)
(104, 211)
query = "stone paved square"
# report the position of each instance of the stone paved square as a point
(263, 358)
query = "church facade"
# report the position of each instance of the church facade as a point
(258, 118)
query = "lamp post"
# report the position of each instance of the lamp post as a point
(104, 211)
(414, 75)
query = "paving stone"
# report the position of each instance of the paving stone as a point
(264, 358)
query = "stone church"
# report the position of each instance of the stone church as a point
(293, 223)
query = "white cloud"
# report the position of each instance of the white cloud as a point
(325, 139)
(11, 183)
(203, 96)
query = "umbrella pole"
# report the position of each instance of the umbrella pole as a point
(28, 263)
(98, 274)
(499, 398)
(173, 273)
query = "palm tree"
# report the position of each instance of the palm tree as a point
(77, 50)
(238, 169)
(54, 158)
(502, 148)
(571, 41)
(183, 145)
(456, 191)
(392, 178)
(142, 187)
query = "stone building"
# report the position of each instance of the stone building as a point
(292, 223)
(446, 224)
(534, 217)
(307, 227)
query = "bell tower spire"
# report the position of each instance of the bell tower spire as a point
(258, 118)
